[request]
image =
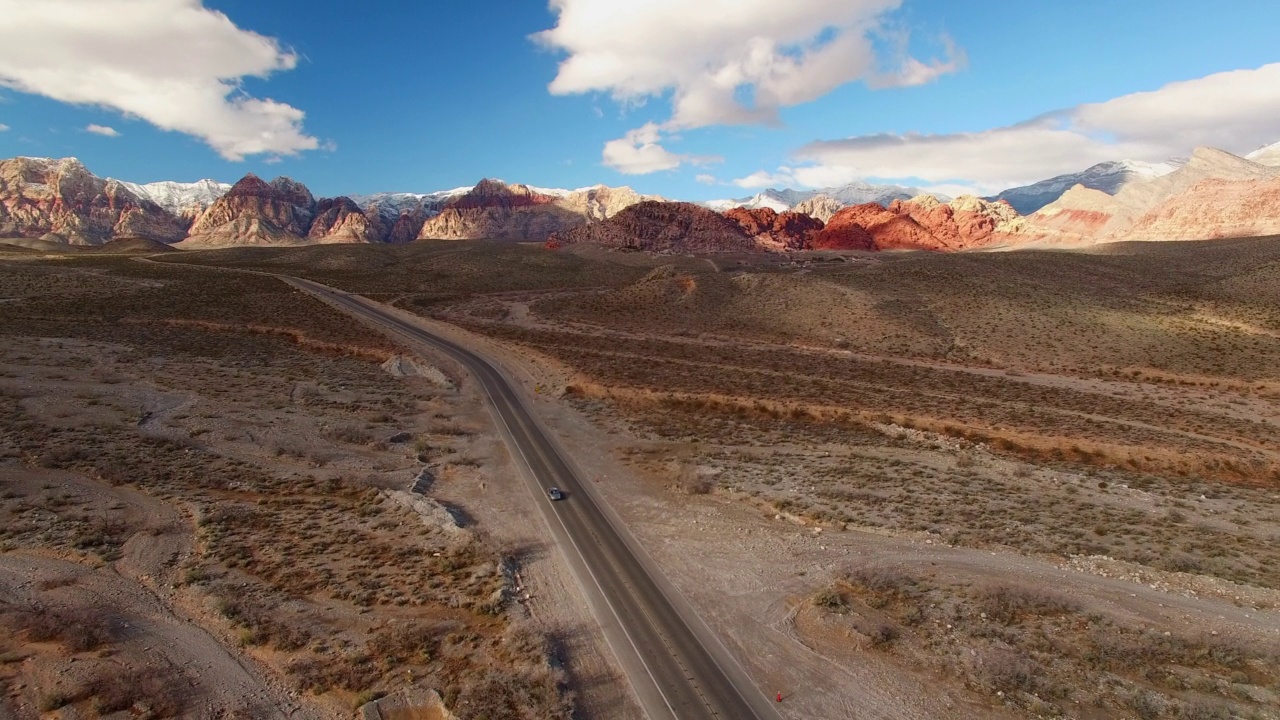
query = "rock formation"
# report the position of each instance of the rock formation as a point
(822, 207)
(495, 210)
(61, 199)
(845, 230)
(339, 220)
(1083, 217)
(1212, 209)
(602, 202)
(1109, 177)
(663, 227)
(871, 226)
(185, 201)
(255, 212)
(922, 223)
(776, 232)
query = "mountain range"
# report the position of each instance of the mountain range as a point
(855, 193)
(1210, 194)
(1109, 177)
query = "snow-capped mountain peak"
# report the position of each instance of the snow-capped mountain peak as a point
(776, 200)
(183, 199)
(1269, 155)
(1109, 177)
(391, 205)
(855, 193)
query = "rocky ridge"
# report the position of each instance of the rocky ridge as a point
(776, 232)
(922, 223)
(653, 226)
(1216, 182)
(1109, 177)
(61, 201)
(1213, 194)
(496, 210)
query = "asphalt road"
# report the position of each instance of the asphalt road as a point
(677, 671)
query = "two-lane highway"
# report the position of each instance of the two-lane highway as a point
(678, 672)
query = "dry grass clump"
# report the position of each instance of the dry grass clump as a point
(1010, 604)
(148, 692)
(1043, 654)
(881, 475)
(79, 629)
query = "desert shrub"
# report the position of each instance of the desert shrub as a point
(690, 482)
(79, 629)
(258, 625)
(830, 598)
(63, 456)
(356, 673)
(405, 643)
(1146, 705)
(1204, 710)
(1007, 671)
(352, 434)
(1009, 604)
(162, 691)
(531, 694)
(883, 634)
(885, 585)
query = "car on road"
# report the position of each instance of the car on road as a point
(555, 493)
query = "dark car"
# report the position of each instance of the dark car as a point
(555, 493)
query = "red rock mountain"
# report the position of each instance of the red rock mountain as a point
(339, 220)
(495, 210)
(1212, 209)
(847, 229)
(1211, 196)
(775, 231)
(255, 212)
(922, 223)
(60, 200)
(663, 227)
(406, 228)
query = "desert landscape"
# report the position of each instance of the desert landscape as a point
(1036, 483)
(585, 360)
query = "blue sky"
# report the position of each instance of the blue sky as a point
(418, 96)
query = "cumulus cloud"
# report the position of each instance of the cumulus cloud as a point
(102, 130)
(639, 153)
(706, 179)
(727, 62)
(173, 63)
(1236, 111)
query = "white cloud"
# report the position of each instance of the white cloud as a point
(102, 130)
(707, 179)
(639, 153)
(173, 63)
(1236, 111)
(725, 62)
(763, 179)
(4, 128)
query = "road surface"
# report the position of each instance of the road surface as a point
(676, 666)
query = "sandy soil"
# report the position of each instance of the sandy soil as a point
(138, 596)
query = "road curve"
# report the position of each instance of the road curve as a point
(677, 671)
